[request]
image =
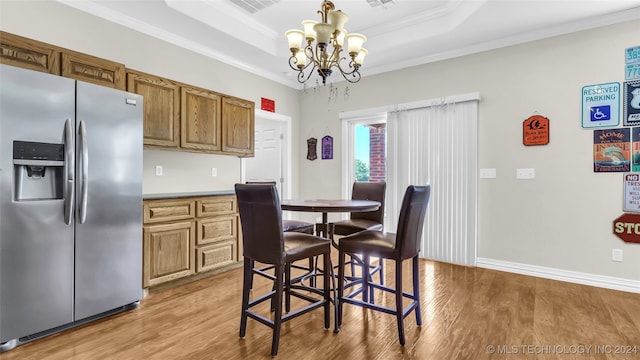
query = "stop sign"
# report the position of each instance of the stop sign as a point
(627, 228)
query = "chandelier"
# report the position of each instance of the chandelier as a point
(329, 36)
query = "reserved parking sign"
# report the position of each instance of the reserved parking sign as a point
(601, 105)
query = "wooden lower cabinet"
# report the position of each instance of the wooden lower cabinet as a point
(180, 242)
(168, 252)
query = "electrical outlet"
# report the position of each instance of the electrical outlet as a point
(158, 170)
(214, 172)
(487, 173)
(616, 254)
(528, 173)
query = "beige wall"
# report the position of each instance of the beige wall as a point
(561, 220)
(60, 25)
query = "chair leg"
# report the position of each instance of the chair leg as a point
(365, 278)
(246, 287)
(287, 288)
(399, 307)
(381, 264)
(328, 272)
(277, 319)
(251, 277)
(416, 289)
(339, 301)
(312, 267)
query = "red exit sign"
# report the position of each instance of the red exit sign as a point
(268, 105)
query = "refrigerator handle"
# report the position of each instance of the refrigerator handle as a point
(69, 163)
(84, 170)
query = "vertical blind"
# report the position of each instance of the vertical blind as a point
(437, 144)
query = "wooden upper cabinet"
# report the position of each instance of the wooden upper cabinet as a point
(93, 69)
(200, 119)
(161, 108)
(30, 54)
(238, 126)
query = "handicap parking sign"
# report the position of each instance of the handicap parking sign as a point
(601, 113)
(601, 105)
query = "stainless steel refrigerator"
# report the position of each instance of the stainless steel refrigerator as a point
(70, 203)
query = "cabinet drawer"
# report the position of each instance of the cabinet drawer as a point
(94, 70)
(216, 229)
(219, 205)
(167, 252)
(167, 210)
(216, 256)
(29, 54)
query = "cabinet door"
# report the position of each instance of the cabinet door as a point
(238, 126)
(92, 69)
(200, 115)
(168, 252)
(29, 54)
(216, 256)
(161, 109)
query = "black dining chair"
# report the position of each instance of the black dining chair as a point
(267, 243)
(365, 220)
(287, 225)
(403, 245)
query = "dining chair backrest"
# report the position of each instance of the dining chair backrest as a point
(261, 220)
(369, 191)
(411, 220)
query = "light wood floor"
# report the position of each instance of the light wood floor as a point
(468, 313)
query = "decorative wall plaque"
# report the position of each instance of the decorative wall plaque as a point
(311, 149)
(535, 130)
(327, 147)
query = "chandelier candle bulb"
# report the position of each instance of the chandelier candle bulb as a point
(340, 36)
(309, 33)
(355, 43)
(360, 58)
(323, 33)
(337, 18)
(295, 40)
(301, 59)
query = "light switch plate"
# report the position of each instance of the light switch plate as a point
(214, 171)
(526, 173)
(158, 170)
(487, 173)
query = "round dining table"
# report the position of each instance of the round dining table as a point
(326, 206)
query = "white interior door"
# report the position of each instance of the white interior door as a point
(270, 162)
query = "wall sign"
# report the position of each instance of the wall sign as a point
(632, 193)
(327, 147)
(601, 105)
(632, 103)
(267, 104)
(311, 149)
(635, 148)
(627, 228)
(612, 150)
(632, 61)
(535, 130)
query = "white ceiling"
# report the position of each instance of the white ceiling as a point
(400, 34)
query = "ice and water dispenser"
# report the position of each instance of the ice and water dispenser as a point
(38, 170)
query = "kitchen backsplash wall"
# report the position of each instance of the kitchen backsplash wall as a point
(187, 172)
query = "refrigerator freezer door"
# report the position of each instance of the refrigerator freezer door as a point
(108, 248)
(36, 246)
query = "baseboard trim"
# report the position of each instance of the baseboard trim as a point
(607, 282)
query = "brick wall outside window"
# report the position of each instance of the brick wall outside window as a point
(377, 155)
